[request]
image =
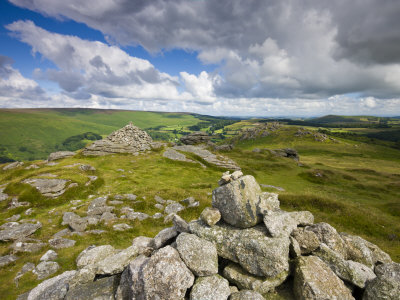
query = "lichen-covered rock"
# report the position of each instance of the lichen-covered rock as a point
(199, 255)
(210, 216)
(19, 231)
(328, 235)
(236, 275)
(75, 222)
(313, 279)
(268, 202)
(257, 253)
(162, 276)
(246, 295)
(180, 224)
(60, 155)
(307, 240)
(27, 246)
(49, 255)
(48, 187)
(350, 271)
(210, 288)
(7, 259)
(173, 208)
(102, 288)
(93, 255)
(386, 285)
(59, 243)
(237, 202)
(45, 269)
(164, 236)
(52, 289)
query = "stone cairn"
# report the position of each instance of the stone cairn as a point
(241, 248)
(129, 139)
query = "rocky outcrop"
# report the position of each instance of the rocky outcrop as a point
(16, 231)
(194, 138)
(129, 139)
(48, 187)
(60, 155)
(242, 248)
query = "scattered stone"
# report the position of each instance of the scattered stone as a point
(13, 165)
(75, 222)
(121, 227)
(29, 211)
(86, 168)
(137, 215)
(54, 288)
(194, 204)
(162, 276)
(126, 210)
(188, 201)
(164, 236)
(3, 196)
(129, 139)
(49, 255)
(60, 155)
(130, 197)
(48, 187)
(173, 208)
(387, 283)
(159, 206)
(210, 288)
(59, 243)
(159, 199)
(19, 231)
(14, 203)
(180, 224)
(93, 255)
(45, 269)
(199, 255)
(313, 279)
(246, 295)
(157, 216)
(210, 216)
(99, 206)
(22, 246)
(236, 275)
(107, 217)
(7, 259)
(237, 202)
(286, 152)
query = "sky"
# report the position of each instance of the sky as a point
(227, 57)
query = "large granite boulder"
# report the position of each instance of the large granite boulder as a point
(102, 288)
(313, 279)
(210, 288)
(386, 285)
(45, 269)
(93, 255)
(162, 276)
(194, 138)
(199, 255)
(257, 253)
(129, 139)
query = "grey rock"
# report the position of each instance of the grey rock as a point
(173, 208)
(28, 267)
(294, 247)
(107, 217)
(143, 243)
(194, 204)
(129, 139)
(199, 255)
(281, 223)
(29, 211)
(159, 206)
(75, 222)
(49, 255)
(209, 157)
(100, 289)
(188, 201)
(60, 155)
(236, 275)
(313, 279)
(121, 227)
(19, 231)
(159, 199)
(180, 224)
(86, 168)
(3, 196)
(45, 269)
(246, 295)
(99, 206)
(26, 246)
(93, 255)
(307, 240)
(350, 271)
(257, 253)
(164, 236)
(387, 283)
(175, 155)
(62, 233)
(52, 289)
(210, 216)
(210, 288)
(59, 243)
(13, 165)
(268, 202)
(137, 215)
(48, 187)
(196, 137)
(7, 259)
(163, 276)
(157, 216)
(328, 235)
(33, 166)
(14, 218)
(130, 197)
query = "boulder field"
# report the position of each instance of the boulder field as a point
(244, 247)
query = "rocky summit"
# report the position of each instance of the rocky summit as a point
(244, 247)
(129, 139)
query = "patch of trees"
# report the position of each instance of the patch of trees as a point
(4, 155)
(159, 136)
(76, 142)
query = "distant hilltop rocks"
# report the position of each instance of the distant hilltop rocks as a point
(243, 247)
(129, 139)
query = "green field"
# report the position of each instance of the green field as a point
(353, 185)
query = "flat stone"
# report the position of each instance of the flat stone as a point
(199, 255)
(7, 259)
(108, 217)
(59, 243)
(87, 168)
(210, 288)
(60, 155)
(22, 246)
(48, 187)
(175, 155)
(137, 215)
(19, 231)
(157, 216)
(188, 200)
(45, 269)
(313, 279)
(13, 165)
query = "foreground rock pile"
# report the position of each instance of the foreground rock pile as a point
(244, 247)
(129, 139)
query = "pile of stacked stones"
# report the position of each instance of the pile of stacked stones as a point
(129, 139)
(244, 247)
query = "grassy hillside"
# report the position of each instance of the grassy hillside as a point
(27, 134)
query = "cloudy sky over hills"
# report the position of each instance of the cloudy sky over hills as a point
(262, 58)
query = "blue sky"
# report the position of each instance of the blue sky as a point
(253, 58)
